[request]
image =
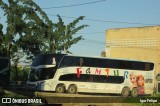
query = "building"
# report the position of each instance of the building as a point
(139, 43)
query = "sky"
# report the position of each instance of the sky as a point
(101, 15)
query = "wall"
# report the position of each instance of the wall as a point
(140, 43)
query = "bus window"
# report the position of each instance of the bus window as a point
(81, 62)
(46, 73)
(70, 61)
(68, 77)
(112, 63)
(48, 59)
(92, 78)
(125, 64)
(31, 75)
(41, 74)
(147, 66)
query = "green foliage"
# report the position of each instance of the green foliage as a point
(62, 37)
(25, 23)
(22, 74)
(29, 28)
(29, 31)
(103, 54)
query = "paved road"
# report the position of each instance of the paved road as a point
(78, 98)
(64, 98)
(51, 94)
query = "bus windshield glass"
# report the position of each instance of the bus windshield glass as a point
(48, 59)
(41, 69)
(41, 74)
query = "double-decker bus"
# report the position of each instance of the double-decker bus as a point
(74, 74)
(4, 71)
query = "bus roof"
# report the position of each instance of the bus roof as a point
(108, 58)
(99, 57)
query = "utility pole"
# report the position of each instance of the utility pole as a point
(66, 29)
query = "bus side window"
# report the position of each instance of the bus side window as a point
(81, 62)
(63, 63)
(74, 61)
(147, 66)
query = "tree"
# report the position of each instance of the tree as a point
(30, 32)
(103, 54)
(62, 37)
(26, 24)
(2, 42)
(30, 29)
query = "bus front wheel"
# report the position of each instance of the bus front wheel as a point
(125, 91)
(134, 92)
(60, 88)
(72, 89)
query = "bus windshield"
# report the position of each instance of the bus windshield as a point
(42, 74)
(47, 59)
(44, 66)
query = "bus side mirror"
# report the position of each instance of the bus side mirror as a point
(81, 62)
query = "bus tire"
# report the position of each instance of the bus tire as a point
(72, 89)
(125, 92)
(134, 92)
(60, 88)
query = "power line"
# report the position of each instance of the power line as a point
(89, 44)
(120, 22)
(105, 21)
(92, 33)
(74, 5)
(93, 41)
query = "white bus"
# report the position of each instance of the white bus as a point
(73, 74)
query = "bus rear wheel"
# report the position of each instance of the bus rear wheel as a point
(134, 92)
(125, 91)
(72, 89)
(60, 89)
